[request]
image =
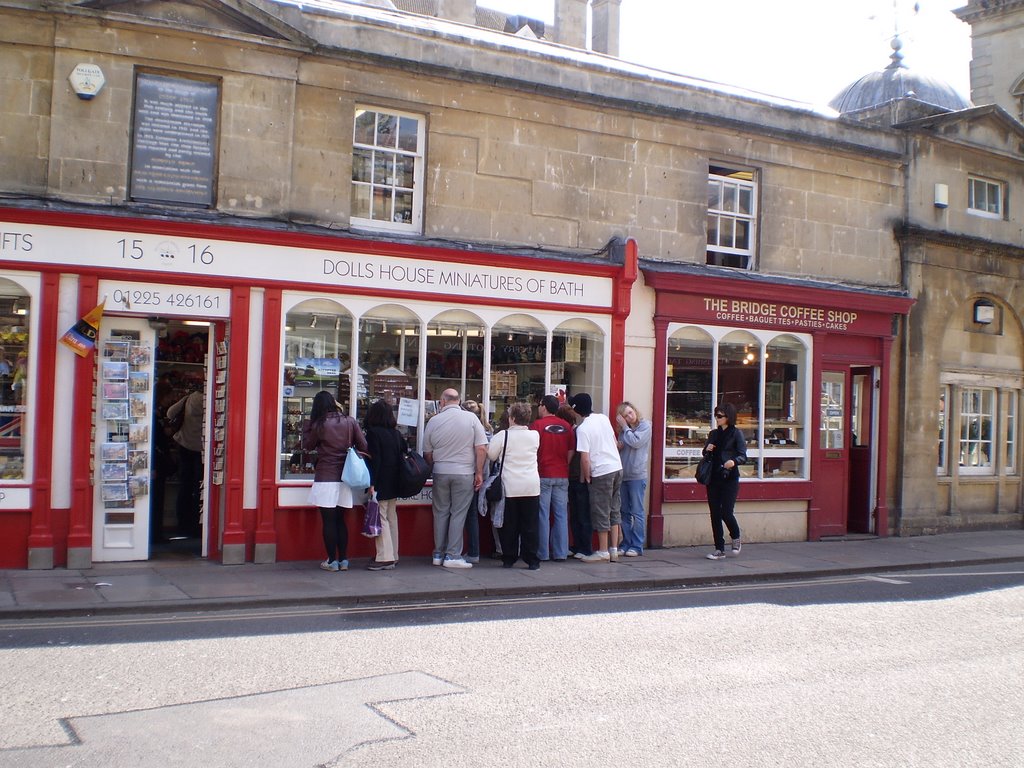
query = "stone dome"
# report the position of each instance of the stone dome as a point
(894, 83)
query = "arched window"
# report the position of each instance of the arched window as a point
(15, 309)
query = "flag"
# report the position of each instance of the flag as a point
(82, 336)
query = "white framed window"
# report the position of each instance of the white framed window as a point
(977, 416)
(387, 170)
(732, 217)
(1011, 432)
(984, 197)
(943, 465)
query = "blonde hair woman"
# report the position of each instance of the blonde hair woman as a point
(634, 439)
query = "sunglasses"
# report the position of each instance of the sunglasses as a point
(719, 415)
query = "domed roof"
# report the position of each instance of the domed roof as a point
(894, 83)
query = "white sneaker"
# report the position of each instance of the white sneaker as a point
(456, 562)
(737, 545)
(596, 557)
(632, 553)
(716, 555)
(579, 556)
(437, 559)
(329, 565)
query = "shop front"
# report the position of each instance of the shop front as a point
(256, 322)
(807, 368)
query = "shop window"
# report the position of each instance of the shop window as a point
(1012, 397)
(732, 215)
(943, 465)
(15, 307)
(519, 346)
(174, 140)
(977, 413)
(389, 361)
(577, 360)
(455, 357)
(985, 197)
(785, 371)
(763, 374)
(689, 400)
(387, 170)
(317, 356)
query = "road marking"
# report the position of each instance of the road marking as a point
(884, 580)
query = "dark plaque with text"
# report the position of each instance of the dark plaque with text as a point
(174, 140)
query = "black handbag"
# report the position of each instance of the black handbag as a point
(413, 472)
(495, 491)
(703, 471)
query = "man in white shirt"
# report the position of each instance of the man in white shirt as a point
(454, 444)
(601, 470)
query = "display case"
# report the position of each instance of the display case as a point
(296, 463)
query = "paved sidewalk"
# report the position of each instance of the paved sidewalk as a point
(180, 585)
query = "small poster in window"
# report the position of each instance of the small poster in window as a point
(138, 460)
(115, 390)
(115, 371)
(139, 485)
(408, 411)
(114, 452)
(113, 471)
(116, 350)
(572, 348)
(139, 355)
(114, 492)
(138, 433)
(138, 405)
(114, 410)
(138, 381)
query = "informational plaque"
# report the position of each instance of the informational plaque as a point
(174, 140)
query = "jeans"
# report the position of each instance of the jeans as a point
(721, 501)
(582, 532)
(554, 503)
(451, 495)
(634, 517)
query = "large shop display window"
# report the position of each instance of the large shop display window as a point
(519, 357)
(15, 305)
(765, 375)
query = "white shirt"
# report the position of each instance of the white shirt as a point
(596, 437)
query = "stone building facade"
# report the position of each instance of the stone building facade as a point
(341, 157)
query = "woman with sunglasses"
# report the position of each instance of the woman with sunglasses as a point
(727, 448)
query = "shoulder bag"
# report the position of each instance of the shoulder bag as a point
(413, 472)
(494, 491)
(703, 471)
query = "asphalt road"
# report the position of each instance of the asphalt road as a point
(921, 668)
(145, 627)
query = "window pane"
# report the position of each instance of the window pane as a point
(784, 433)
(729, 198)
(577, 359)
(739, 383)
(455, 355)
(361, 201)
(364, 125)
(381, 204)
(383, 169)
(741, 236)
(746, 205)
(714, 195)
(317, 343)
(713, 237)
(833, 408)
(404, 169)
(15, 312)
(976, 417)
(403, 207)
(1011, 432)
(387, 130)
(389, 350)
(408, 132)
(518, 360)
(688, 400)
(361, 165)
(942, 429)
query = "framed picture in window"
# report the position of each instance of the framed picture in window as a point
(773, 394)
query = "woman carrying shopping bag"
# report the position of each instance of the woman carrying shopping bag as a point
(331, 433)
(387, 446)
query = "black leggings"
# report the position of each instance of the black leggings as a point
(721, 503)
(335, 532)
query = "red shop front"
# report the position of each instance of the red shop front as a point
(808, 370)
(259, 321)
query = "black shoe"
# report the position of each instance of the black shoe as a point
(534, 566)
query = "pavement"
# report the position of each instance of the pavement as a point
(194, 584)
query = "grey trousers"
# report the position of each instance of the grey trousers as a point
(451, 495)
